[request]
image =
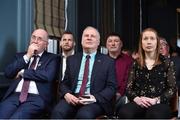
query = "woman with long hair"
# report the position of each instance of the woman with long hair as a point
(151, 82)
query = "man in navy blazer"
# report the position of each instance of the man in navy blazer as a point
(41, 80)
(100, 87)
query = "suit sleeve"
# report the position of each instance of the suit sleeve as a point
(66, 84)
(47, 72)
(13, 68)
(106, 94)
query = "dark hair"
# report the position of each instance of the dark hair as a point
(113, 34)
(67, 32)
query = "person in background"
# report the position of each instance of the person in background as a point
(164, 50)
(174, 47)
(164, 47)
(89, 84)
(34, 71)
(67, 45)
(135, 54)
(126, 51)
(176, 60)
(123, 62)
(151, 83)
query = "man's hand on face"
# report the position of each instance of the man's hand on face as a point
(32, 49)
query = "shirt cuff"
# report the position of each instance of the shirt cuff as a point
(22, 72)
(158, 100)
(26, 58)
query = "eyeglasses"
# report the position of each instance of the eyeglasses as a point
(33, 37)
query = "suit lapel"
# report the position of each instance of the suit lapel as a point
(78, 65)
(61, 67)
(42, 59)
(96, 67)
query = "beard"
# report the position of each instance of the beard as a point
(67, 48)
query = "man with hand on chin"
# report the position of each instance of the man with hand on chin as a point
(34, 71)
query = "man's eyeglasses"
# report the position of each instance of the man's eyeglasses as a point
(33, 37)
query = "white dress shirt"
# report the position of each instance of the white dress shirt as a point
(32, 86)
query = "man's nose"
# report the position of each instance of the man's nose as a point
(113, 43)
(89, 37)
(66, 42)
(35, 40)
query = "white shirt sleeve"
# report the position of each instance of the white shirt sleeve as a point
(26, 58)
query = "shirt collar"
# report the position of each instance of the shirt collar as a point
(120, 55)
(63, 54)
(92, 54)
(40, 54)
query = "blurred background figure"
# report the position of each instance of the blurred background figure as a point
(174, 48)
(126, 51)
(164, 50)
(135, 54)
(164, 47)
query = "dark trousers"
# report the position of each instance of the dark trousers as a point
(132, 110)
(11, 108)
(63, 110)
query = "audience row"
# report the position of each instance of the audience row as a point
(90, 84)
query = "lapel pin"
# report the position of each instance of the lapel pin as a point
(99, 60)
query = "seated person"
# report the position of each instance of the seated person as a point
(30, 93)
(123, 63)
(151, 83)
(91, 74)
(66, 45)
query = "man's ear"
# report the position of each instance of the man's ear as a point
(99, 42)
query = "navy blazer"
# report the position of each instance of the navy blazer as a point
(44, 75)
(103, 80)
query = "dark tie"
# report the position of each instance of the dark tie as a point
(25, 87)
(85, 76)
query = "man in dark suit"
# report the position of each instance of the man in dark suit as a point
(66, 46)
(39, 75)
(100, 86)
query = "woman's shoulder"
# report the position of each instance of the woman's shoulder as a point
(164, 58)
(136, 64)
(166, 61)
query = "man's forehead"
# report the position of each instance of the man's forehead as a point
(67, 35)
(113, 37)
(90, 31)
